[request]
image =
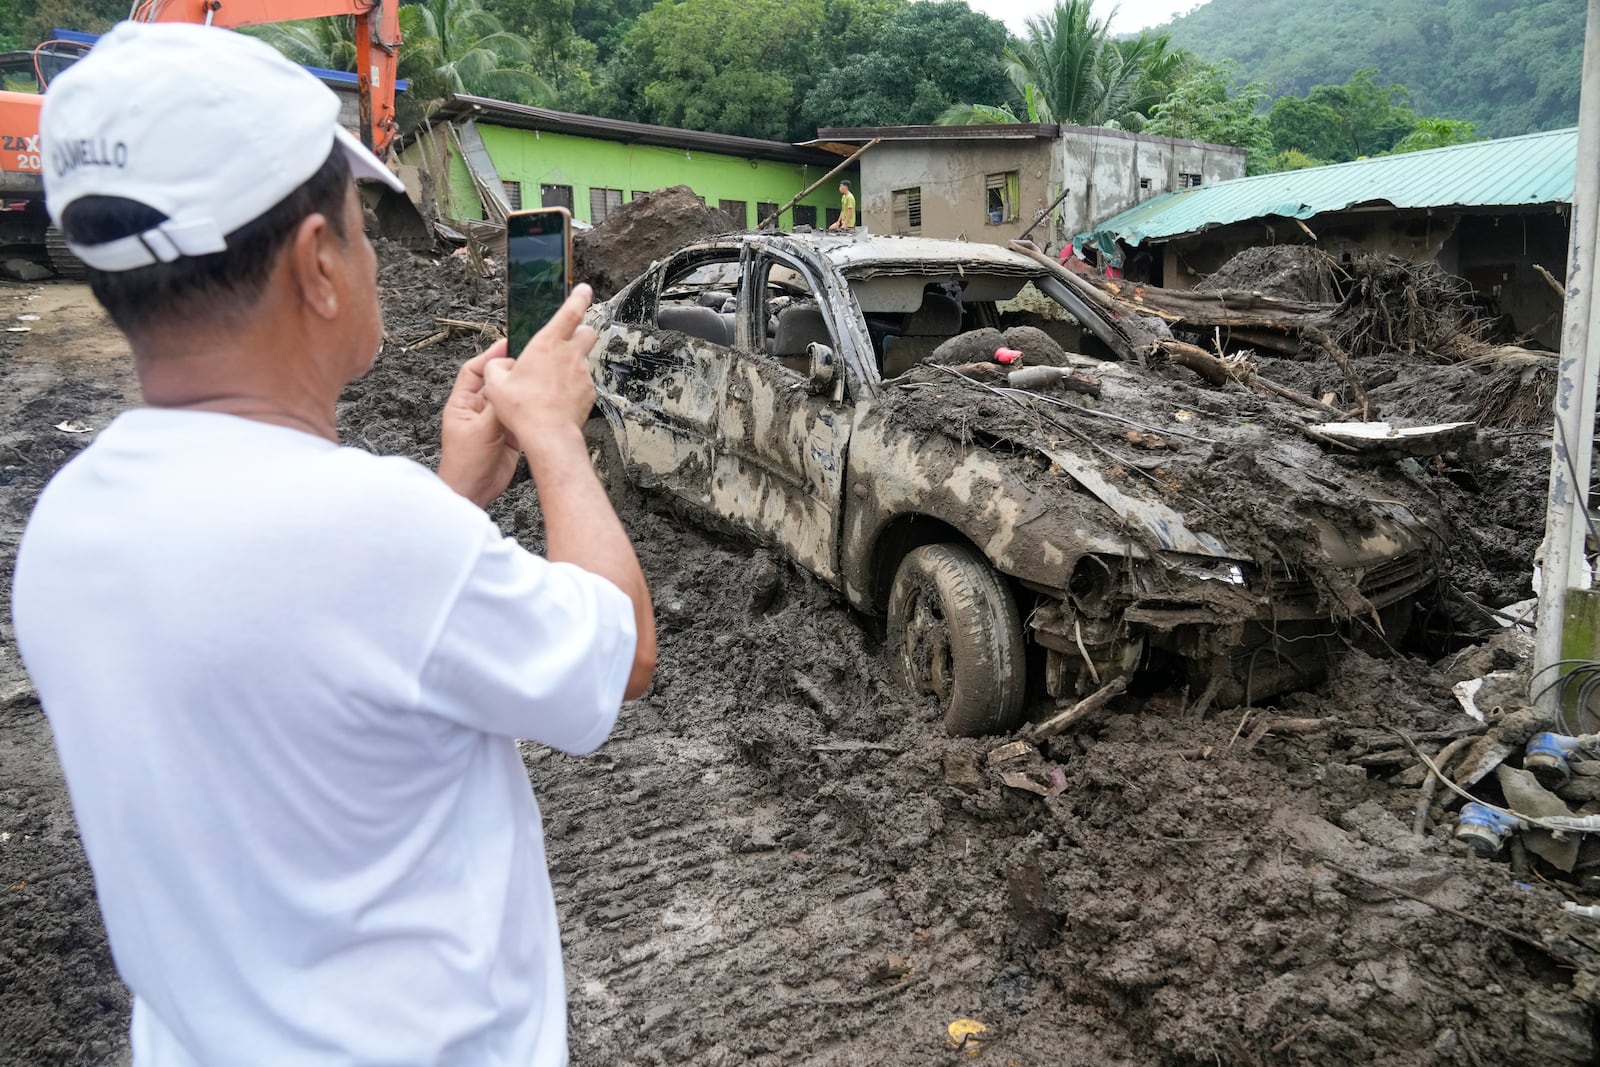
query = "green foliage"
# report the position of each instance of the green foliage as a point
(455, 46)
(980, 115)
(1344, 122)
(544, 26)
(926, 56)
(1207, 105)
(1509, 66)
(327, 43)
(1068, 68)
(1436, 133)
(38, 17)
(1293, 159)
(1161, 69)
(606, 22)
(726, 66)
(1081, 75)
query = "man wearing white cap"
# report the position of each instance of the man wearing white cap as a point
(284, 677)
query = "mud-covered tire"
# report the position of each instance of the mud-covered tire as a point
(61, 258)
(606, 458)
(954, 633)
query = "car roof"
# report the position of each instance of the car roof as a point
(850, 251)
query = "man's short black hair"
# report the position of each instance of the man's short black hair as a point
(844, 183)
(201, 287)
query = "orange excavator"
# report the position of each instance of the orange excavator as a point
(25, 230)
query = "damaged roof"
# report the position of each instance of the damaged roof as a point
(523, 117)
(1533, 169)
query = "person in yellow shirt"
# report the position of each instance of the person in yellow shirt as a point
(847, 209)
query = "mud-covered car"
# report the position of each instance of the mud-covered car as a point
(838, 397)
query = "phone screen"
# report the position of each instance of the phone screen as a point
(538, 271)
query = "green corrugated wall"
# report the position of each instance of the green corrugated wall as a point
(538, 158)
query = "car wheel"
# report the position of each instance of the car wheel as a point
(954, 629)
(606, 458)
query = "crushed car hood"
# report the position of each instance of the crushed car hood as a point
(1221, 485)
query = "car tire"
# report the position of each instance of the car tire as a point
(606, 458)
(955, 633)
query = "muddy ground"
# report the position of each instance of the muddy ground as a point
(778, 859)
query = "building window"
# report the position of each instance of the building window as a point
(1144, 185)
(637, 193)
(831, 215)
(1189, 181)
(602, 202)
(764, 211)
(905, 211)
(513, 195)
(1001, 193)
(805, 215)
(738, 212)
(555, 196)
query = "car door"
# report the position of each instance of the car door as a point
(661, 362)
(778, 463)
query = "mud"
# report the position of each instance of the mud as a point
(649, 228)
(779, 859)
(1290, 272)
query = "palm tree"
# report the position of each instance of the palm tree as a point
(1068, 68)
(455, 46)
(1161, 67)
(328, 43)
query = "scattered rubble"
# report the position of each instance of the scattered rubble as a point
(779, 859)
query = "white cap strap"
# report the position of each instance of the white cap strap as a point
(160, 244)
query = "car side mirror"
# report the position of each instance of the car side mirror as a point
(823, 368)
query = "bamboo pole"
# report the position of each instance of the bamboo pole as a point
(792, 201)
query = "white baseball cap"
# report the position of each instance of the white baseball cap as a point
(207, 126)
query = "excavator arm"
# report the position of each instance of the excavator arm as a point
(24, 225)
(377, 33)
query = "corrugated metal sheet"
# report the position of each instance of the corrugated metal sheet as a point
(1536, 168)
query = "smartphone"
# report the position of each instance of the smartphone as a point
(538, 271)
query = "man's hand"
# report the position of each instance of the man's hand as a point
(546, 395)
(477, 455)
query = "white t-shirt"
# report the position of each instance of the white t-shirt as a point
(284, 679)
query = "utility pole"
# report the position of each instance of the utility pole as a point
(1568, 622)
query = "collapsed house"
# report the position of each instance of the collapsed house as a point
(1494, 213)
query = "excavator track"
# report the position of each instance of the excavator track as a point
(60, 257)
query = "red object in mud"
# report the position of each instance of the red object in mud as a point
(1006, 355)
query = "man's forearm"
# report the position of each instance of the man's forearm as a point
(582, 528)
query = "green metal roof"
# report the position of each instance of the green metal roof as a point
(1536, 168)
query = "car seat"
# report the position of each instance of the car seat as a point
(704, 323)
(938, 319)
(797, 327)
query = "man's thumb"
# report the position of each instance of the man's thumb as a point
(495, 373)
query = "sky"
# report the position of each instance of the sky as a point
(1131, 15)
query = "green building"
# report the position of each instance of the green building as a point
(535, 157)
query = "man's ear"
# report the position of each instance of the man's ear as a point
(313, 260)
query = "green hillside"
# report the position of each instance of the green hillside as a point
(1511, 66)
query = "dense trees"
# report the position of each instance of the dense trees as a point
(1404, 75)
(925, 57)
(1510, 66)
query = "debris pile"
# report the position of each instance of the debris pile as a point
(1289, 272)
(1376, 320)
(652, 226)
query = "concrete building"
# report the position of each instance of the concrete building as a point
(535, 157)
(989, 183)
(1492, 213)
